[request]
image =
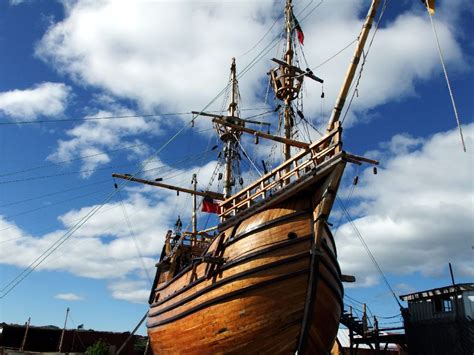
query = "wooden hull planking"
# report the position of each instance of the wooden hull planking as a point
(278, 291)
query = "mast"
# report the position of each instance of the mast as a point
(229, 135)
(230, 142)
(336, 112)
(287, 79)
(289, 60)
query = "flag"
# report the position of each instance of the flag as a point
(430, 5)
(299, 31)
(210, 206)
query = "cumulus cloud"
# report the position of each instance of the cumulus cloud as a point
(176, 55)
(132, 291)
(68, 297)
(105, 247)
(45, 99)
(90, 140)
(416, 214)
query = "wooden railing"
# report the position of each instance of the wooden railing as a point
(289, 171)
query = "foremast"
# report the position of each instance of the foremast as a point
(229, 135)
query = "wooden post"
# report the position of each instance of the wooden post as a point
(451, 273)
(364, 319)
(351, 335)
(62, 333)
(26, 333)
(376, 334)
(194, 216)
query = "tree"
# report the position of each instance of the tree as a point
(99, 348)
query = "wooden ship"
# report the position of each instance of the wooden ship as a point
(268, 279)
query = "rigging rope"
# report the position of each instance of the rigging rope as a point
(134, 238)
(446, 77)
(247, 156)
(369, 253)
(364, 56)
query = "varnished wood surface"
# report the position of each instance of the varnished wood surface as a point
(255, 302)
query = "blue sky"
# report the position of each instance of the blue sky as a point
(76, 59)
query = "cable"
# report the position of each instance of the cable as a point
(133, 236)
(70, 160)
(54, 193)
(335, 55)
(446, 77)
(364, 56)
(369, 253)
(91, 118)
(53, 204)
(248, 157)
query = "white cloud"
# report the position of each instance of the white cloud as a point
(68, 297)
(158, 53)
(16, 2)
(104, 248)
(90, 140)
(416, 214)
(132, 291)
(45, 99)
(176, 55)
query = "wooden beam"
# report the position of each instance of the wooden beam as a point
(211, 194)
(298, 70)
(291, 142)
(230, 117)
(357, 158)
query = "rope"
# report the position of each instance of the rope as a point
(134, 238)
(446, 77)
(248, 157)
(364, 55)
(369, 253)
(335, 55)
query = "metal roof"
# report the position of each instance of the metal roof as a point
(443, 291)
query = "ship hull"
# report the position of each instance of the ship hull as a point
(277, 291)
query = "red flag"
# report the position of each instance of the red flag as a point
(210, 206)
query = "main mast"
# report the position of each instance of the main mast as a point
(287, 79)
(289, 60)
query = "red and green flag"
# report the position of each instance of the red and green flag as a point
(299, 31)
